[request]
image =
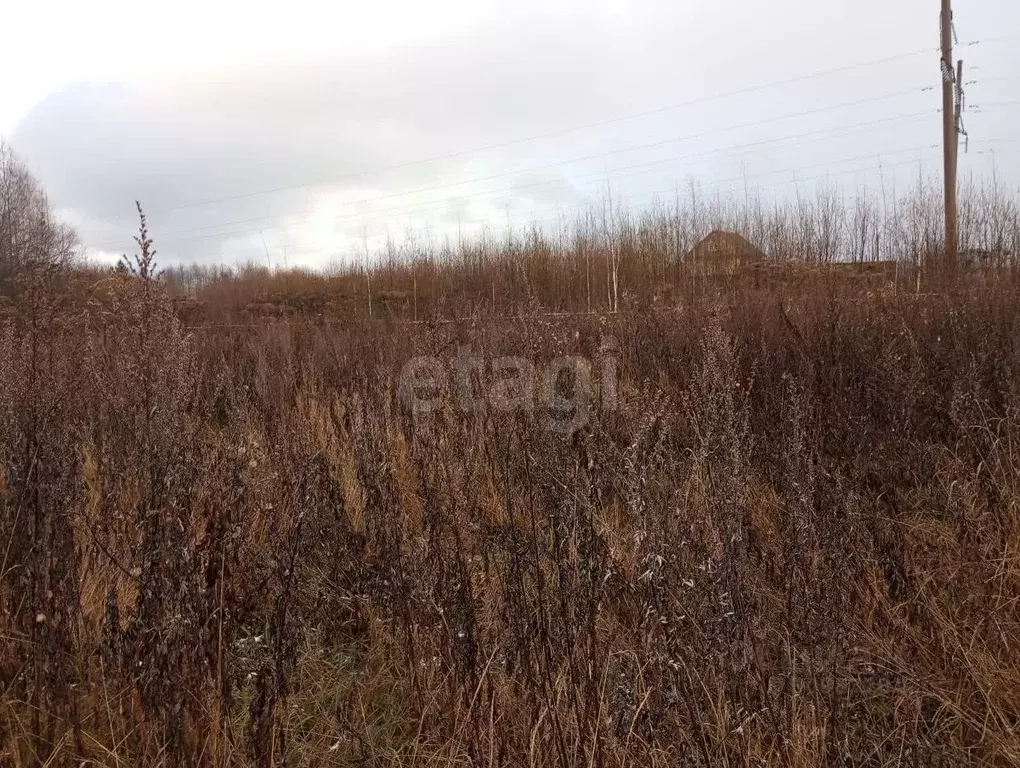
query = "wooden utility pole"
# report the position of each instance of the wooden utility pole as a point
(959, 117)
(950, 136)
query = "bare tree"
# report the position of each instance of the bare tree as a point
(29, 235)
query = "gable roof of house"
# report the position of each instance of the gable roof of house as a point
(725, 245)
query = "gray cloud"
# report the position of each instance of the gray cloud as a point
(330, 125)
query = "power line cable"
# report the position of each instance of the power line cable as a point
(587, 206)
(597, 178)
(563, 131)
(718, 183)
(563, 215)
(600, 174)
(595, 156)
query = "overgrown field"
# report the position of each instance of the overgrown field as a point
(780, 528)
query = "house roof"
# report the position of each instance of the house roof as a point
(722, 244)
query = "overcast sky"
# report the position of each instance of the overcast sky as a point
(307, 128)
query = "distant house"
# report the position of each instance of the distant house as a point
(984, 259)
(722, 253)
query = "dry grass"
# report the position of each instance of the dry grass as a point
(794, 541)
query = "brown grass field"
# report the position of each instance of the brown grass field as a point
(786, 531)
